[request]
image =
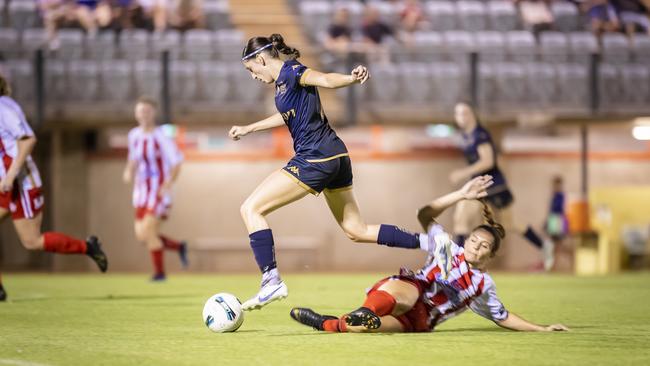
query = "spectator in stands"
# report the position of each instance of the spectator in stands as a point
(602, 16)
(54, 13)
(339, 33)
(150, 14)
(536, 15)
(85, 13)
(375, 33)
(633, 15)
(187, 14)
(412, 17)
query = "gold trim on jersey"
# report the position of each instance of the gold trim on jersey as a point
(300, 183)
(302, 77)
(326, 159)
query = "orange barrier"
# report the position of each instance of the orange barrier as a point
(578, 216)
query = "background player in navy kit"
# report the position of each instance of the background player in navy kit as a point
(481, 155)
(321, 162)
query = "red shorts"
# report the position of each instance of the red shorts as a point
(418, 318)
(22, 204)
(160, 211)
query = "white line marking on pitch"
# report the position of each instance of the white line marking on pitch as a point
(4, 361)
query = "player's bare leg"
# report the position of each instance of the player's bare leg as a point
(146, 231)
(3, 293)
(347, 214)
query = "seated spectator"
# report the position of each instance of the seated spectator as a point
(339, 34)
(375, 33)
(602, 16)
(633, 15)
(149, 14)
(536, 15)
(412, 17)
(85, 13)
(187, 14)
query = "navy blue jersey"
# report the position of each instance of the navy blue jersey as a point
(300, 106)
(471, 142)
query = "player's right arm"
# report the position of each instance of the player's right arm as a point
(515, 322)
(131, 163)
(237, 132)
(474, 189)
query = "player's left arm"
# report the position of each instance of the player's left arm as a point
(484, 163)
(334, 80)
(25, 146)
(515, 322)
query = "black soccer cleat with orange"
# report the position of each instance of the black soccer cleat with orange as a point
(310, 318)
(363, 317)
(3, 293)
(95, 252)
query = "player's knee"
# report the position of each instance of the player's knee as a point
(33, 243)
(355, 233)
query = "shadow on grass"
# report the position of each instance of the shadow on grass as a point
(104, 297)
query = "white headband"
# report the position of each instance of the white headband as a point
(256, 52)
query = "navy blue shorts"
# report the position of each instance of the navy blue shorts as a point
(500, 199)
(319, 174)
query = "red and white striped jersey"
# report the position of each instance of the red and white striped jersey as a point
(155, 155)
(13, 127)
(462, 287)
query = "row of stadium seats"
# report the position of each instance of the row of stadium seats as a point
(470, 15)
(130, 44)
(24, 14)
(121, 81)
(512, 86)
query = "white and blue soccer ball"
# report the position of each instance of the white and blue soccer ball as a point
(223, 313)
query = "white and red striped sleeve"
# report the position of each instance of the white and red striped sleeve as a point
(487, 304)
(132, 144)
(12, 119)
(171, 154)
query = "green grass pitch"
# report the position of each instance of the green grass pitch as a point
(125, 320)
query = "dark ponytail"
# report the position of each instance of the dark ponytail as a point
(274, 45)
(491, 226)
(5, 89)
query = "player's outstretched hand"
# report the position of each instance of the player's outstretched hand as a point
(237, 132)
(477, 187)
(556, 328)
(360, 74)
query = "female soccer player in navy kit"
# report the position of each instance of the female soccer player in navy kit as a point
(454, 281)
(21, 188)
(153, 165)
(481, 155)
(321, 163)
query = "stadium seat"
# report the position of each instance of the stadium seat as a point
(636, 85)
(458, 45)
(246, 91)
(147, 77)
(488, 87)
(641, 49)
(183, 80)
(442, 15)
(229, 44)
(582, 45)
(213, 81)
(502, 15)
(134, 44)
(198, 45)
(23, 14)
(428, 47)
(170, 41)
(101, 46)
(566, 16)
(615, 48)
(55, 81)
(472, 15)
(390, 12)
(71, 44)
(573, 87)
(384, 84)
(316, 15)
(540, 84)
(21, 77)
(356, 10)
(32, 40)
(9, 43)
(610, 87)
(511, 85)
(490, 46)
(521, 46)
(217, 14)
(416, 82)
(116, 80)
(448, 82)
(83, 83)
(553, 47)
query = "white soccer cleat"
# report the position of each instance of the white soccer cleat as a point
(548, 251)
(267, 294)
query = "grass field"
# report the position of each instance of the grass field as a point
(125, 320)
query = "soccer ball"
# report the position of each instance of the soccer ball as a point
(223, 313)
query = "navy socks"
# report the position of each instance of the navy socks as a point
(532, 237)
(264, 249)
(392, 236)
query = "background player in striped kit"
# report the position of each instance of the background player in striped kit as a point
(153, 165)
(321, 162)
(455, 280)
(21, 188)
(481, 155)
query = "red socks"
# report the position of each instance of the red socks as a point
(335, 325)
(61, 243)
(157, 259)
(170, 244)
(380, 302)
